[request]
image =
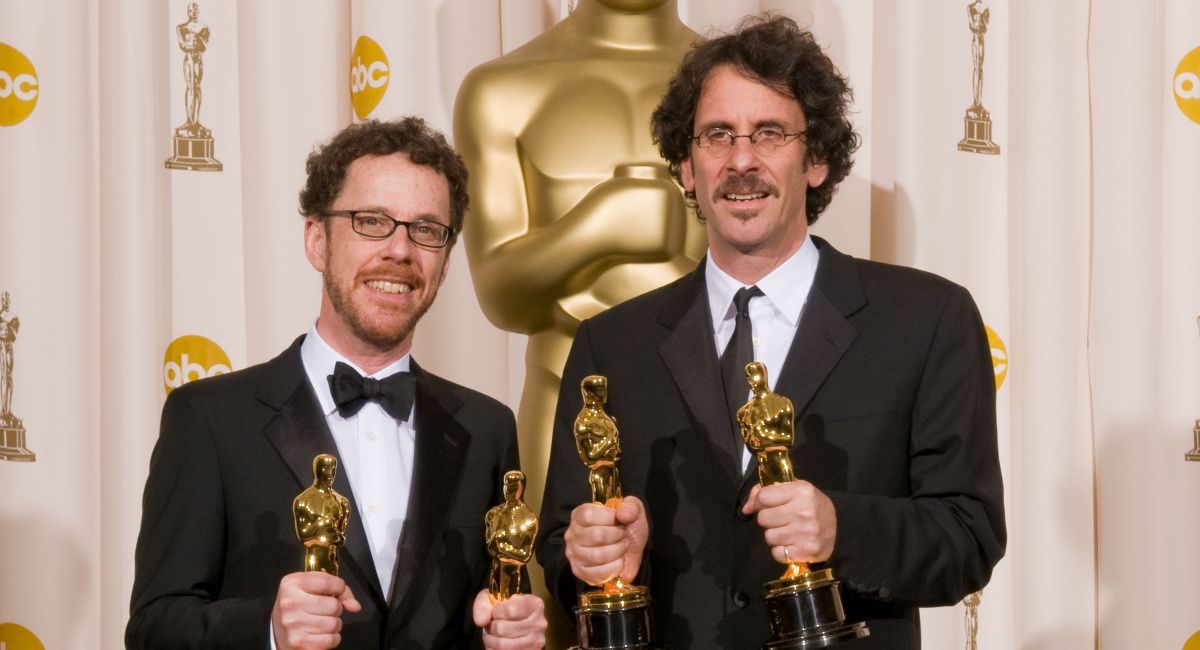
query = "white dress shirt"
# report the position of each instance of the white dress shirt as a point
(376, 452)
(775, 315)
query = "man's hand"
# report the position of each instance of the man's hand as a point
(603, 543)
(308, 611)
(518, 623)
(798, 521)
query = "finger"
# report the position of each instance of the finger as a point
(595, 535)
(349, 602)
(630, 510)
(481, 609)
(593, 514)
(751, 504)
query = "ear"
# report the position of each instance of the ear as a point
(817, 173)
(687, 177)
(315, 242)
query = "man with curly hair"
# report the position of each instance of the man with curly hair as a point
(218, 562)
(888, 368)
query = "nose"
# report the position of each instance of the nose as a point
(742, 157)
(398, 246)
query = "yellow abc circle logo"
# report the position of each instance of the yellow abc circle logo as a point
(1187, 85)
(18, 86)
(369, 74)
(999, 355)
(1193, 642)
(15, 637)
(192, 357)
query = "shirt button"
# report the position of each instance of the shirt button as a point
(740, 598)
(375, 508)
(371, 436)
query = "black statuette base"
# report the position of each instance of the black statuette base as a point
(808, 614)
(615, 629)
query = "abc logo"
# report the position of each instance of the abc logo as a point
(369, 74)
(15, 637)
(192, 357)
(1187, 85)
(999, 355)
(18, 86)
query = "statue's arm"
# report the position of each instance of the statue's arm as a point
(522, 264)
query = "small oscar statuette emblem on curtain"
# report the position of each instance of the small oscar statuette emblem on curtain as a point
(12, 430)
(1194, 454)
(977, 123)
(193, 142)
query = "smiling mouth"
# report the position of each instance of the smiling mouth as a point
(384, 286)
(745, 197)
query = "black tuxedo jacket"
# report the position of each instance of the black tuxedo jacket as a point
(891, 378)
(217, 532)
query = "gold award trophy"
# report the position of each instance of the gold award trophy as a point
(510, 529)
(617, 615)
(804, 606)
(321, 516)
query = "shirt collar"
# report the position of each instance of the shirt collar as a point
(785, 288)
(319, 359)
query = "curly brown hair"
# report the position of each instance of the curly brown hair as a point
(774, 50)
(420, 143)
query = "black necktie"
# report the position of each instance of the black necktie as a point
(738, 353)
(351, 390)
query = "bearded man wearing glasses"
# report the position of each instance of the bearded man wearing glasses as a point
(421, 459)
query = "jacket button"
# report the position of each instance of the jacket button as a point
(740, 598)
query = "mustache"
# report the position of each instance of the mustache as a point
(744, 184)
(400, 273)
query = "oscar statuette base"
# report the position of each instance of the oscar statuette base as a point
(615, 620)
(977, 133)
(12, 441)
(806, 612)
(193, 152)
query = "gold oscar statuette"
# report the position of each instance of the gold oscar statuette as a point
(510, 530)
(804, 606)
(193, 142)
(12, 429)
(617, 615)
(1194, 454)
(977, 123)
(321, 516)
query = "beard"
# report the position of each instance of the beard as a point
(389, 329)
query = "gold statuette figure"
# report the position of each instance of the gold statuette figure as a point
(804, 606)
(768, 426)
(617, 615)
(511, 528)
(321, 516)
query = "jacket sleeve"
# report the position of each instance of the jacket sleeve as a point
(180, 553)
(944, 538)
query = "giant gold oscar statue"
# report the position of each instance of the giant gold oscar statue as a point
(804, 606)
(572, 209)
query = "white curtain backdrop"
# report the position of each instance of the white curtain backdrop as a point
(1079, 240)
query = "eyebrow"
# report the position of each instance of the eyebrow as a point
(721, 124)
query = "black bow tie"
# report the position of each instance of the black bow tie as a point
(351, 390)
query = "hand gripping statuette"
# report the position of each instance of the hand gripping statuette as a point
(617, 615)
(321, 516)
(510, 530)
(804, 606)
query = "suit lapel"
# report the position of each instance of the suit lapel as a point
(441, 448)
(824, 334)
(691, 358)
(299, 433)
